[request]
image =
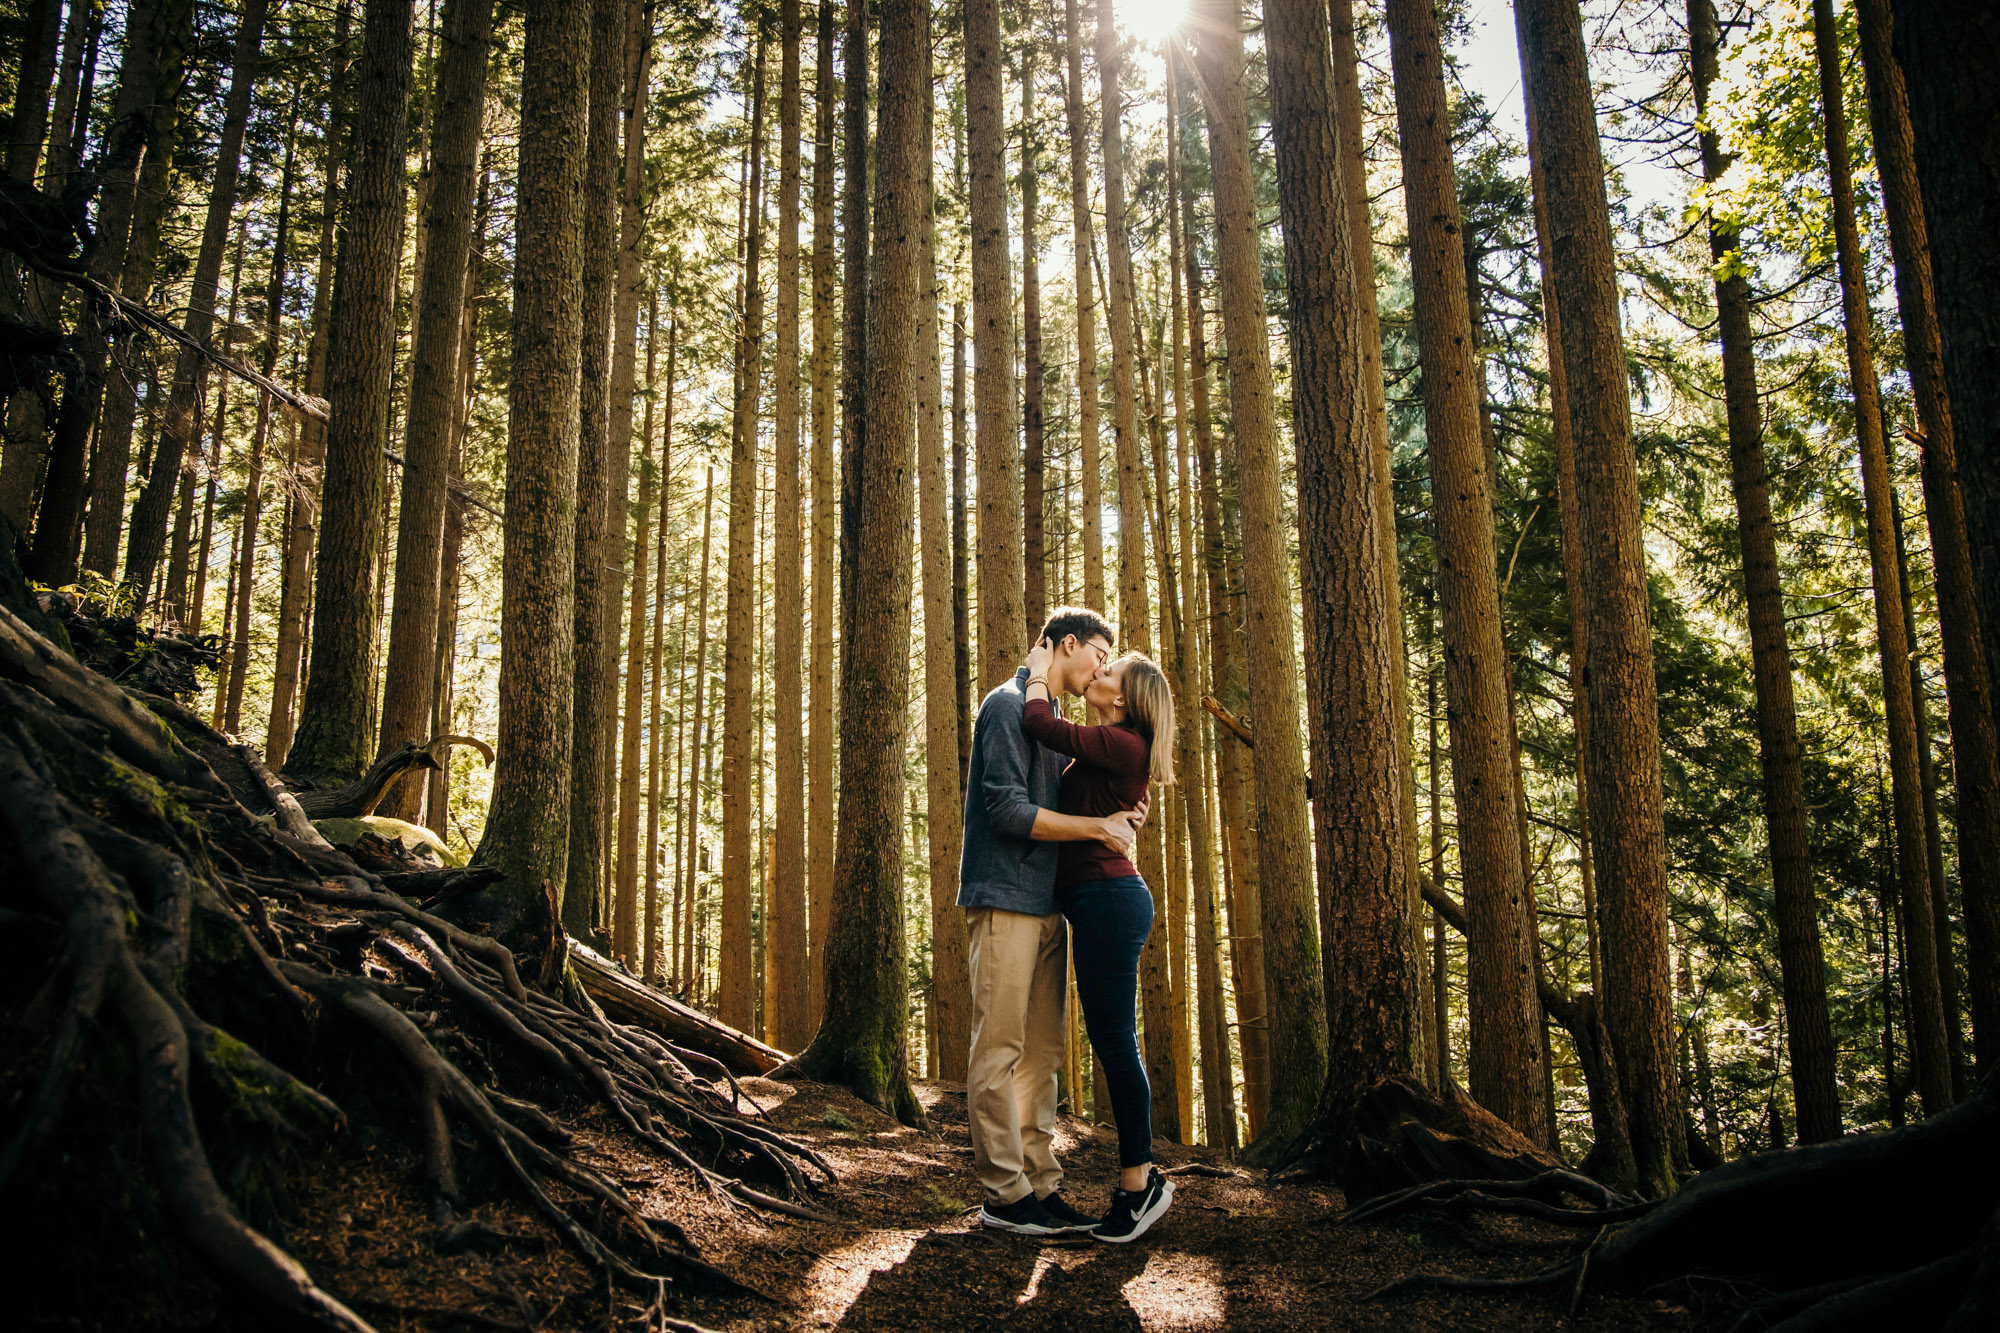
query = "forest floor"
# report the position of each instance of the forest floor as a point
(1231, 1254)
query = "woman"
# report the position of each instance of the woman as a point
(1107, 904)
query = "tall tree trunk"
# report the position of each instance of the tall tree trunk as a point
(995, 388)
(527, 825)
(654, 393)
(1800, 959)
(1297, 1029)
(598, 555)
(854, 310)
(1226, 681)
(253, 488)
(738, 976)
(1368, 346)
(1034, 547)
(1927, 1023)
(862, 1040)
(950, 1011)
(182, 424)
(25, 447)
(302, 519)
(407, 693)
(825, 474)
(1504, 1014)
(334, 739)
(132, 199)
(1627, 824)
(689, 977)
(1218, 1080)
(1373, 975)
(1086, 311)
(1155, 985)
(1948, 50)
(1968, 684)
(786, 948)
(625, 916)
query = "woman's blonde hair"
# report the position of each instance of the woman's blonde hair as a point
(1149, 706)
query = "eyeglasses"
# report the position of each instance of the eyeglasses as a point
(1103, 653)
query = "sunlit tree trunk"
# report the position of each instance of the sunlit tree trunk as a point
(995, 385)
(302, 519)
(1927, 1023)
(145, 121)
(1349, 122)
(1803, 966)
(950, 1011)
(334, 741)
(1968, 684)
(862, 1039)
(786, 945)
(1134, 614)
(1076, 118)
(1373, 975)
(1297, 1028)
(825, 478)
(527, 825)
(1627, 825)
(433, 409)
(1504, 1060)
(597, 553)
(253, 488)
(1034, 546)
(697, 750)
(1226, 681)
(737, 976)
(626, 916)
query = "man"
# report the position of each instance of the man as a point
(1019, 945)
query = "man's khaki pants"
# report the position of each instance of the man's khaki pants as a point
(1019, 966)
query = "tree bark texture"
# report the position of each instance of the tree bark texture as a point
(1034, 542)
(1134, 614)
(1504, 1060)
(862, 1039)
(302, 519)
(1372, 974)
(951, 989)
(1905, 780)
(786, 946)
(1968, 683)
(738, 974)
(1086, 311)
(433, 406)
(1801, 961)
(600, 558)
(995, 387)
(1297, 1028)
(825, 479)
(334, 741)
(1627, 825)
(527, 826)
(1948, 50)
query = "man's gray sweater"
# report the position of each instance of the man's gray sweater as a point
(1011, 778)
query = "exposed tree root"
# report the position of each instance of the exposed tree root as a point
(1398, 1136)
(166, 894)
(1898, 1229)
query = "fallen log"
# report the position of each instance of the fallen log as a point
(628, 1000)
(367, 792)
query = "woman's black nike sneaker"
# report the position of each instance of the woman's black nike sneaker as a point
(1133, 1211)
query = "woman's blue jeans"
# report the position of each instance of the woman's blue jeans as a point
(1109, 920)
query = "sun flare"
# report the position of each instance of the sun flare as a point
(1151, 21)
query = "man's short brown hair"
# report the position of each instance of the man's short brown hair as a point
(1081, 621)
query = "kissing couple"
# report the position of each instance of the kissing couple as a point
(1052, 810)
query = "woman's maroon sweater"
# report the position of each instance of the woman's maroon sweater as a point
(1107, 774)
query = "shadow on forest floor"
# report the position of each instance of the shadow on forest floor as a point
(1231, 1254)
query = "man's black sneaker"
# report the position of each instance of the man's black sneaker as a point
(1072, 1219)
(1133, 1211)
(1025, 1216)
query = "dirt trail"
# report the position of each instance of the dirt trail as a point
(1232, 1253)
